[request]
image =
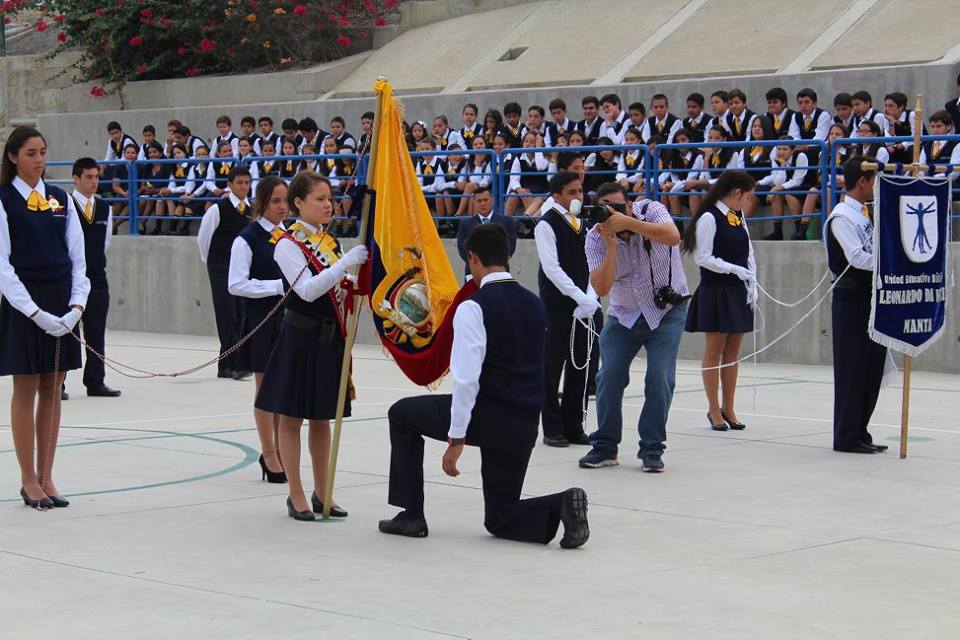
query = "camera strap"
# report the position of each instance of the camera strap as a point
(649, 248)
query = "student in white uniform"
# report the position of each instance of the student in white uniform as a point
(863, 109)
(662, 122)
(226, 134)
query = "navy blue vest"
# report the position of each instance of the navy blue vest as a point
(511, 379)
(320, 308)
(762, 161)
(220, 179)
(744, 125)
(696, 127)
(785, 117)
(854, 278)
(38, 239)
(180, 181)
(232, 222)
(805, 133)
(667, 125)
(943, 158)
(94, 241)
(730, 243)
(262, 266)
(573, 260)
(535, 183)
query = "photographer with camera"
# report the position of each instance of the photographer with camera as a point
(633, 258)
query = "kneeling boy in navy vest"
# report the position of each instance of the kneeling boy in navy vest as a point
(498, 387)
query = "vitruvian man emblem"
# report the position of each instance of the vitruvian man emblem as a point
(921, 243)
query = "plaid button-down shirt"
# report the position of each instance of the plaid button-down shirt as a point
(632, 293)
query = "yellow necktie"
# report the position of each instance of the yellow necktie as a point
(88, 211)
(736, 125)
(289, 165)
(37, 202)
(659, 127)
(865, 210)
(756, 153)
(575, 223)
(242, 207)
(267, 166)
(629, 162)
(936, 149)
(807, 120)
(776, 123)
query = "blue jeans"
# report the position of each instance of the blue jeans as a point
(618, 347)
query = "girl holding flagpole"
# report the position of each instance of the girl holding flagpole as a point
(301, 380)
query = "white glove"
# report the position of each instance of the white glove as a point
(580, 314)
(355, 257)
(751, 292)
(588, 307)
(71, 318)
(741, 272)
(48, 322)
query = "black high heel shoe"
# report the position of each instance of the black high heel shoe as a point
(272, 477)
(59, 501)
(335, 512)
(719, 426)
(42, 504)
(304, 516)
(736, 426)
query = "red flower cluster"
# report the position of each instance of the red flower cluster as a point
(98, 92)
(300, 10)
(136, 41)
(207, 45)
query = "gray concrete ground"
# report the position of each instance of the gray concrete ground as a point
(761, 534)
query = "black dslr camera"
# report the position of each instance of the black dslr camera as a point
(667, 296)
(598, 214)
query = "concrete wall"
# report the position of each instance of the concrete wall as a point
(159, 285)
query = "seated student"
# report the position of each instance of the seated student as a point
(718, 105)
(561, 123)
(661, 171)
(327, 167)
(470, 126)
(563, 140)
(248, 130)
(267, 134)
(613, 119)
(937, 153)
(181, 184)
(269, 166)
(662, 122)
(895, 109)
(289, 165)
(443, 135)
(190, 142)
(289, 128)
(478, 173)
(601, 167)
(430, 172)
(154, 179)
(578, 139)
(780, 116)
(528, 180)
(590, 125)
(338, 130)
(871, 129)
(535, 120)
(172, 127)
(419, 133)
(630, 166)
(312, 134)
(500, 143)
(756, 161)
(637, 118)
(218, 171)
(862, 104)
(245, 155)
(716, 160)
(810, 122)
(843, 109)
(366, 126)
(793, 165)
(841, 153)
(492, 125)
(149, 137)
(682, 166)
(697, 121)
(739, 120)
(511, 126)
(198, 200)
(117, 143)
(226, 134)
(121, 186)
(309, 163)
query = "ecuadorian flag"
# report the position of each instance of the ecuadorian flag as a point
(412, 287)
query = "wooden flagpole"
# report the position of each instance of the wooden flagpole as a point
(907, 360)
(353, 321)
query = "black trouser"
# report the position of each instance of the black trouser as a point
(505, 445)
(94, 321)
(858, 364)
(565, 418)
(226, 308)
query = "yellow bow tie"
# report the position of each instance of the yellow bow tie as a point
(331, 164)
(267, 166)
(468, 134)
(88, 211)
(733, 218)
(289, 165)
(276, 234)
(428, 170)
(224, 169)
(629, 162)
(242, 207)
(37, 202)
(179, 172)
(660, 127)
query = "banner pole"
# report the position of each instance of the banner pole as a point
(353, 320)
(907, 360)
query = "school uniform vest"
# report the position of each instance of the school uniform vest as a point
(696, 128)
(553, 129)
(535, 183)
(469, 133)
(232, 222)
(511, 378)
(320, 308)
(744, 125)
(158, 176)
(514, 137)
(943, 157)
(857, 120)
(288, 168)
(678, 162)
(590, 133)
(667, 125)
(808, 133)
(326, 166)
(220, 179)
(192, 143)
(858, 279)
(38, 239)
(572, 258)
(781, 125)
(94, 241)
(761, 159)
(730, 243)
(262, 265)
(180, 180)
(428, 172)
(268, 168)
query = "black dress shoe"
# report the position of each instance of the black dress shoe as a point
(272, 477)
(859, 447)
(716, 426)
(225, 373)
(242, 375)
(42, 504)
(580, 438)
(405, 525)
(556, 441)
(59, 501)
(335, 511)
(305, 516)
(879, 448)
(736, 426)
(103, 391)
(573, 515)
(64, 395)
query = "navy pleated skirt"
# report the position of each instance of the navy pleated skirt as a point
(255, 352)
(302, 376)
(25, 348)
(720, 308)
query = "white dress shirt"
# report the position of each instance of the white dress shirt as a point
(125, 141)
(187, 186)
(800, 162)
(452, 137)
(703, 255)
(291, 261)
(823, 124)
(108, 229)
(239, 282)
(678, 123)
(853, 232)
(209, 224)
(211, 178)
(615, 130)
(466, 358)
(540, 163)
(10, 285)
(546, 241)
(234, 140)
(634, 175)
(954, 158)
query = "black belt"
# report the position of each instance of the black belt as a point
(327, 329)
